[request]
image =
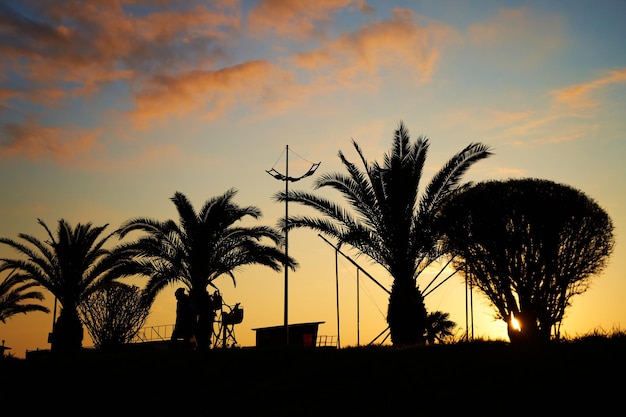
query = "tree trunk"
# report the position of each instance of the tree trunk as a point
(406, 315)
(528, 333)
(68, 332)
(206, 317)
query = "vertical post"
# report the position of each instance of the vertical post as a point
(287, 178)
(358, 311)
(54, 319)
(223, 325)
(466, 310)
(472, 308)
(286, 245)
(337, 301)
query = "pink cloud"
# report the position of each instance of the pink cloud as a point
(397, 43)
(355, 59)
(75, 148)
(297, 18)
(580, 96)
(210, 93)
(89, 44)
(36, 143)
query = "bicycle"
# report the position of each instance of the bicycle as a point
(224, 325)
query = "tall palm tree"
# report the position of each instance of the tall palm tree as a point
(16, 294)
(71, 266)
(199, 249)
(389, 222)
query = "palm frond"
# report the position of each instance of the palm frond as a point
(448, 177)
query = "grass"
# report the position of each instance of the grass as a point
(583, 374)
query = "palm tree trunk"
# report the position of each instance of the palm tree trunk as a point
(206, 317)
(406, 316)
(68, 332)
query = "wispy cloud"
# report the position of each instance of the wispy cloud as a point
(208, 93)
(82, 46)
(581, 96)
(300, 19)
(399, 44)
(515, 38)
(354, 59)
(36, 143)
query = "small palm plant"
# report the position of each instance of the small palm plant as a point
(439, 327)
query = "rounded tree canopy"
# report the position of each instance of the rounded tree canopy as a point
(527, 244)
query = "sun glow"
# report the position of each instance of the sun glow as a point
(515, 323)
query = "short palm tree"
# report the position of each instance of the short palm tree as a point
(439, 327)
(389, 221)
(71, 266)
(199, 249)
(16, 294)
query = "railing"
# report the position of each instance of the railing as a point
(154, 333)
(163, 332)
(326, 341)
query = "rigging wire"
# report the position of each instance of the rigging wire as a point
(364, 289)
(295, 153)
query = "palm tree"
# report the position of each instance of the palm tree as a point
(16, 292)
(439, 327)
(390, 222)
(199, 249)
(70, 266)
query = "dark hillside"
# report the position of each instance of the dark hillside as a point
(486, 378)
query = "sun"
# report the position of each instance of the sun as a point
(515, 323)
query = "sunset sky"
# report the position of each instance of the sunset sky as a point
(108, 107)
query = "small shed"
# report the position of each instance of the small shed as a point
(300, 335)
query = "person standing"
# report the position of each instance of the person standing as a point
(186, 319)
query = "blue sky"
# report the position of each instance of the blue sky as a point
(107, 108)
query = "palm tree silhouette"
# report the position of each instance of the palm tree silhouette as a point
(16, 292)
(439, 326)
(71, 266)
(389, 221)
(199, 249)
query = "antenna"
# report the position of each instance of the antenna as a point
(288, 179)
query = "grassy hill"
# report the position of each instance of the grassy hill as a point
(481, 377)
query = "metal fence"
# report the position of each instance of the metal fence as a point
(154, 333)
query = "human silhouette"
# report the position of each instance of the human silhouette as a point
(186, 318)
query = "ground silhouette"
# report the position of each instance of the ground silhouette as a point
(490, 378)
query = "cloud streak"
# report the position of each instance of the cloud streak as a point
(211, 93)
(581, 96)
(300, 19)
(399, 43)
(38, 143)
